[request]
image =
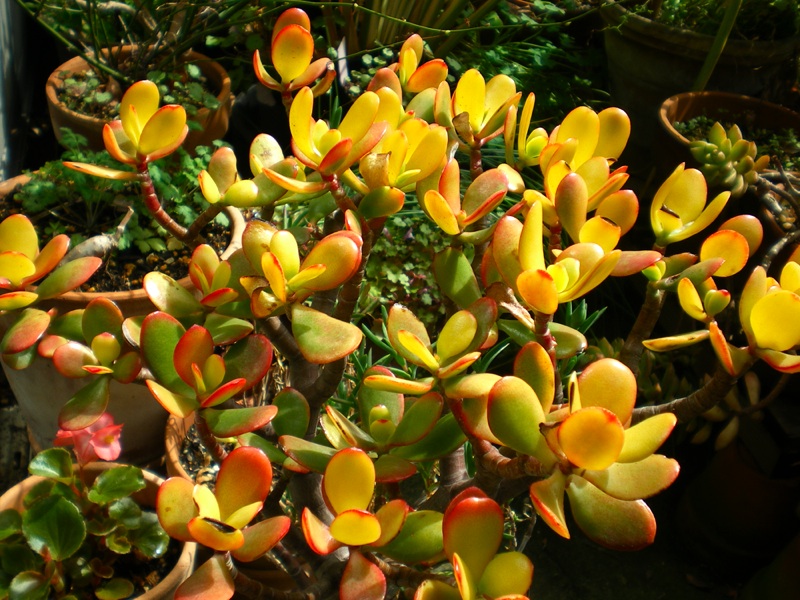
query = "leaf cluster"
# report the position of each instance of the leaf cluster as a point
(70, 533)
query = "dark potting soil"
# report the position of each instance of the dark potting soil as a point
(123, 270)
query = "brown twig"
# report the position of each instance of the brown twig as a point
(696, 403)
(632, 348)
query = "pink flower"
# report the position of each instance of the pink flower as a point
(100, 440)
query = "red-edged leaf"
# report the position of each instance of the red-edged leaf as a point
(85, 407)
(261, 537)
(160, 334)
(362, 580)
(211, 581)
(70, 358)
(215, 534)
(317, 534)
(194, 347)
(244, 478)
(473, 529)
(321, 338)
(68, 277)
(175, 507)
(236, 421)
(613, 523)
(224, 392)
(314, 457)
(356, 527)
(250, 358)
(26, 330)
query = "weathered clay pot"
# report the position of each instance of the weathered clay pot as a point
(213, 123)
(165, 589)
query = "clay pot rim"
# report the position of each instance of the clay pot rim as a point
(687, 99)
(210, 68)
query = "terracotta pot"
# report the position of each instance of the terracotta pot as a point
(165, 589)
(214, 123)
(673, 148)
(649, 61)
(41, 391)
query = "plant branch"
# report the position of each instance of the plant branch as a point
(696, 403)
(632, 348)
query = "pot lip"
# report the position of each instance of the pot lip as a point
(210, 67)
(616, 16)
(674, 102)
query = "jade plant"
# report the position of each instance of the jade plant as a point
(74, 537)
(319, 471)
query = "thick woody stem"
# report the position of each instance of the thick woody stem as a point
(193, 238)
(154, 207)
(255, 590)
(649, 313)
(475, 162)
(403, 576)
(210, 442)
(505, 467)
(696, 403)
(541, 327)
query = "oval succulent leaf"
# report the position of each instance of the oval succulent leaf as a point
(615, 524)
(635, 480)
(349, 480)
(321, 338)
(514, 414)
(473, 517)
(591, 438)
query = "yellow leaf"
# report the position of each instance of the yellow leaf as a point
(591, 438)
(349, 481)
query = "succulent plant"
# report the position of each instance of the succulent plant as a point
(727, 160)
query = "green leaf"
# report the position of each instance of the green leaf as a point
(237, 421)
(87, 405)
(114, 589)
(53, 463)
(150, 538)
(116, 483)
(321, 338)
(419, 540)
(10, 523)
(293, 413)
(455, 276)
(29, 586)
(68, 277)
(126, 511)
(445, 437)
(55, 524)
